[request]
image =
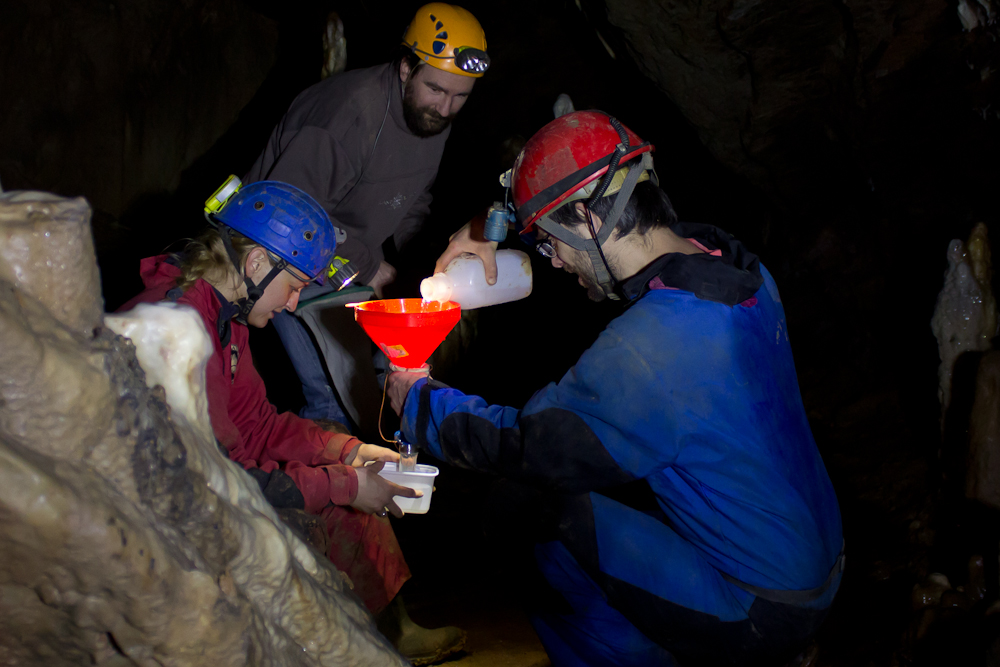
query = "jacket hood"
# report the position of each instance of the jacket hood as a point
(158, 271)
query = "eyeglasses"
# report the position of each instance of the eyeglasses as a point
(471, 60)
(544, 244)
(545, 249)
(540, 241)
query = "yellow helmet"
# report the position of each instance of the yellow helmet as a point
(448, 38)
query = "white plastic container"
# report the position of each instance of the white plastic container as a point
(464, 281)
(421, 480)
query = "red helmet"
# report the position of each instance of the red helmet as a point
(566, 155)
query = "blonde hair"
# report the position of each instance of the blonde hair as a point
(205, 257)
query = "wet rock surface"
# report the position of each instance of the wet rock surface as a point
(982, 473)
(125, 535)
(805, 98)
(114, 99)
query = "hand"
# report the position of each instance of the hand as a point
(386, 274)
(398, 387)
(375, 492)
(470, 239)
(362, 454)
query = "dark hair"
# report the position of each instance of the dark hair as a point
(648, 208)
(409, 56)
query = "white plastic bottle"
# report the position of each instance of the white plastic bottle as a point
(464, 281)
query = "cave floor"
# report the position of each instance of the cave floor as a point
(458, 579)
(499, 634)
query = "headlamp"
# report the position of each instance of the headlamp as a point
(341, 273)
(219, 198)
(472, 60)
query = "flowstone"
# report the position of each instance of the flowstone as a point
(126, 537)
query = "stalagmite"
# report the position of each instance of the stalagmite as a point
(126, 537)
(982, 465)
(334, 46)
(965, 318)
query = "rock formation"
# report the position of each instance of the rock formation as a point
(334, 46)
(965, 318)
(126, 537)
(982, 465)
(807, 98)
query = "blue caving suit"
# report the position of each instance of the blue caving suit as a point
(693, 390)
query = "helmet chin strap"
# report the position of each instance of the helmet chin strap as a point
(593, 245)
(254, 290)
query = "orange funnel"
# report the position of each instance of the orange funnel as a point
(407, 330)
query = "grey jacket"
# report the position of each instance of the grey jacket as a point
(323, 145)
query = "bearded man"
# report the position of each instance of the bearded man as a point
(366, 144)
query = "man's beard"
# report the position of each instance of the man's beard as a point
(589, 280)
(422, 121)
(594, 291)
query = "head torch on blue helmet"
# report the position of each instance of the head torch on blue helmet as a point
(285, 220)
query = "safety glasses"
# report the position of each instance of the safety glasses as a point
(471, 60)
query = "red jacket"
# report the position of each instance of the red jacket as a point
(244, 421)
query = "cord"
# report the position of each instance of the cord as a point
(385, 388)
(385, 114)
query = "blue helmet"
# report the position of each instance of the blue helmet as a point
(286, 221)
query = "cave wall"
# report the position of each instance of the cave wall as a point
(126, 535)
(112, 100)
(811, 97)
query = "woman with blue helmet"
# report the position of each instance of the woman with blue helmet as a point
(268, 240)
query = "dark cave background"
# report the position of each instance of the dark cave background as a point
(845, 142)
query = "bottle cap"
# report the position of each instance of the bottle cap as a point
(436, 288)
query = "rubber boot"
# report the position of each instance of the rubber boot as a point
(418, 645)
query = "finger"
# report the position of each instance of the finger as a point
(388, 455)
(405, 491)
(375, 466)
(450, 253)
(489, 257)
(393, 508)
